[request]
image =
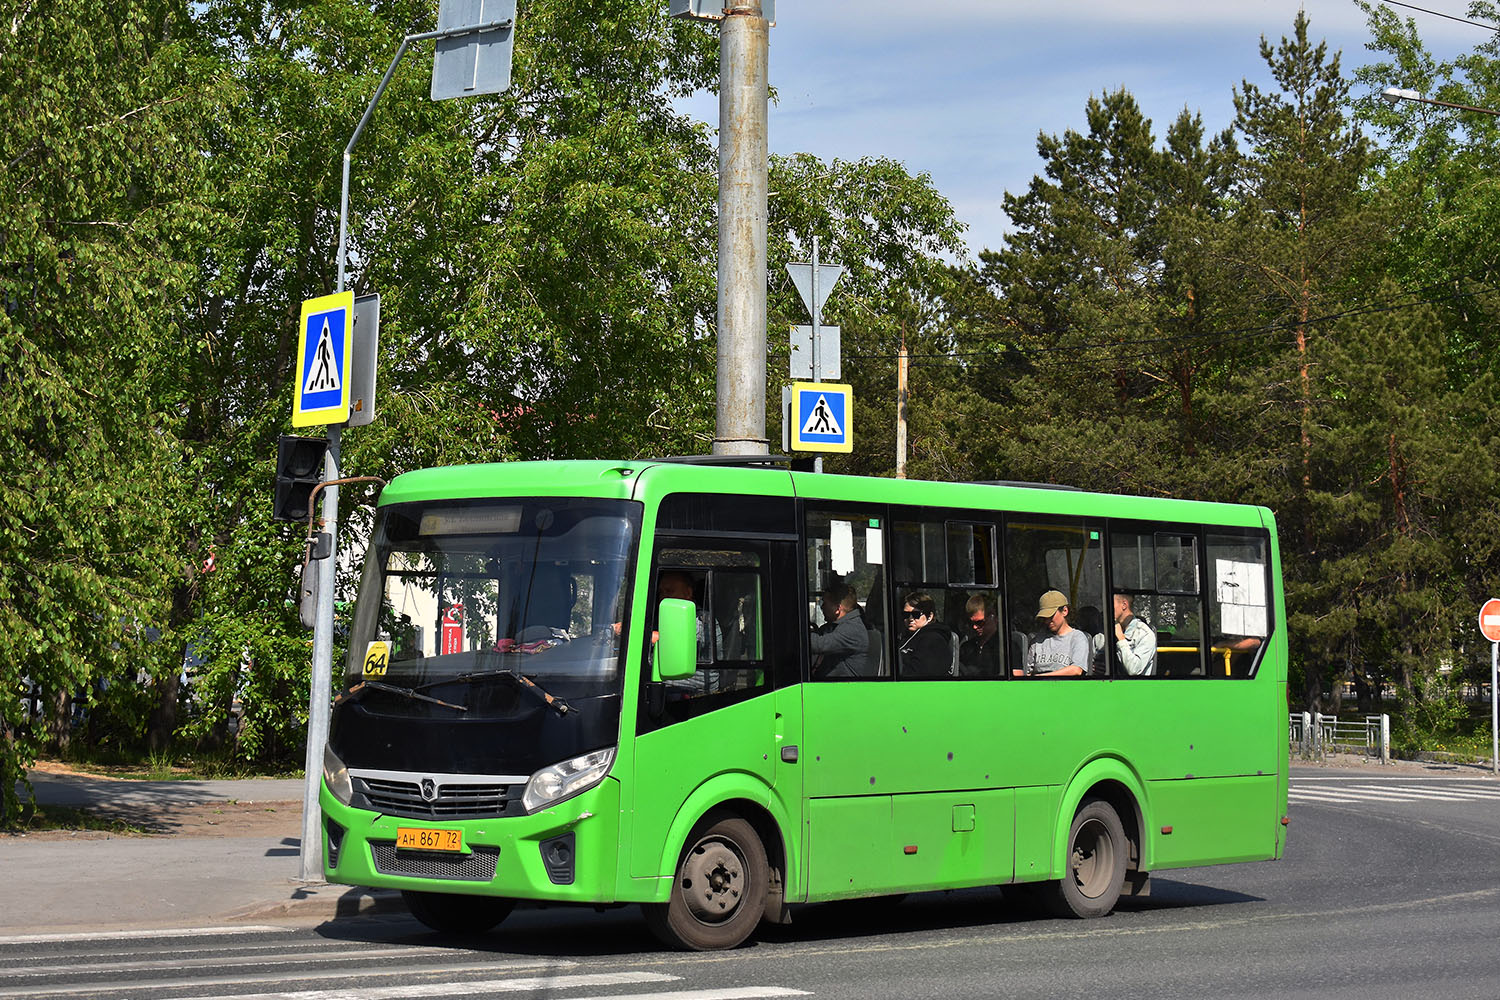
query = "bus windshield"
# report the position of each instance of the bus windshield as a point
(521, 595)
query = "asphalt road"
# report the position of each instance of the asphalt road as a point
(1390, 889)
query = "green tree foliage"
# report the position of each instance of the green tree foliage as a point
(1085, 364)
(893, 234)
(103, 222)
(546, 262)
(1254, 317)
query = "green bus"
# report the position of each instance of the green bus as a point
(717, 688)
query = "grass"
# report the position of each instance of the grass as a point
(35, 819)
(159, 766)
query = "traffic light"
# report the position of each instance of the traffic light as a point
(299, 469)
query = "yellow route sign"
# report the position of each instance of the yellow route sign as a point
(377, 659)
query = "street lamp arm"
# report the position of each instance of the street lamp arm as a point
(1394, 94)
(422, 36)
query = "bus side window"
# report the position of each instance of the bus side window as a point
(941, 568)
(845, 576)
(1239, 603)
(1156, 602)
(1054, 585)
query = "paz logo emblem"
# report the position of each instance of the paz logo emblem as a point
(429, 790)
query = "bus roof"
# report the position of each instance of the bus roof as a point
(640, 478)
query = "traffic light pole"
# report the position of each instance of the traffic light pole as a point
(318, 707)
(321, 685)
(743, 53)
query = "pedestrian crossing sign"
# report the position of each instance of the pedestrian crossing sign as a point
(822, 417)
(320, 393)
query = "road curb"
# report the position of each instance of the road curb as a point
(322, 901)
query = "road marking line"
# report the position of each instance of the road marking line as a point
(459, 989)
(728, 993)
(1368, 797)
(1455, 794)
(1472, 793)
(229, 961)
(136, 935)
(200, 982)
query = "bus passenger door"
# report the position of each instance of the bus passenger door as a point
(787, 788)
(714, 735)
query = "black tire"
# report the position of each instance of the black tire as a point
(450, 913)
(1095, 861)
(718, 892)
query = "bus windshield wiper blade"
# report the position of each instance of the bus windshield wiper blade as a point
(519, 680)
(411, 693)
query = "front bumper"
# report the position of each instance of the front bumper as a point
(499, 857)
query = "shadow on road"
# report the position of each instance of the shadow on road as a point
(567, 931)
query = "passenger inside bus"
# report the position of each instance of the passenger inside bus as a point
(1060, 651)
(926, 647)
(979, 656)
(1135, 640)
(841, 647)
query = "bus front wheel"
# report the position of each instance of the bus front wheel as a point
(719, 893)
(1095, 871)
(450, 913)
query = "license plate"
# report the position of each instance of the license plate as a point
(420, 839)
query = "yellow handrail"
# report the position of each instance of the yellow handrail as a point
(1227, 651)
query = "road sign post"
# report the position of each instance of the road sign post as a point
(1489, 624)
(475, 38)
(816, 352)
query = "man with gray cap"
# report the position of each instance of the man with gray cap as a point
(1061, 651)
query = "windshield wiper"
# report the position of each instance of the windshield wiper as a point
(519, 680)
(410, 693)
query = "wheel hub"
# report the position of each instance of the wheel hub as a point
(1093, 859)
(713, 878)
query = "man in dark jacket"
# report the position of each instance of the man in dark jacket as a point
(842, 647)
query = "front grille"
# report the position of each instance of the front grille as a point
(478, 866)
(453, 796)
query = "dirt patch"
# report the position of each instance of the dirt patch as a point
(208, 819)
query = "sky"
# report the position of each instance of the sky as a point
(959, 89)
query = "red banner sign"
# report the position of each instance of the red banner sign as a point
(453, 630)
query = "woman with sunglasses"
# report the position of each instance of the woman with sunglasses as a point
(926, 647)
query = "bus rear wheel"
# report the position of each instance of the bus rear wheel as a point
(1095, 871)
(450, 913)
(719, 893)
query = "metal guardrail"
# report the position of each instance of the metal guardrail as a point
(1314, 734)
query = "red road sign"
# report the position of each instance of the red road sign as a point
(1489, 619)
(453, 628)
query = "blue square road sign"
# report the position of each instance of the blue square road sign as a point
(822, 417)
(320, 393)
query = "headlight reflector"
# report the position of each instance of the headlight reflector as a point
(561, 781)
(336, 776)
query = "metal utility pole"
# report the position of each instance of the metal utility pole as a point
(744, 39)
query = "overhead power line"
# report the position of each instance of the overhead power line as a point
(1438, 13)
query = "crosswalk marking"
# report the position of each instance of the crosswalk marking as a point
(1343, 791)
(730, 993)
(311, 974)
(222, 962)
(580, 981)
(137, 935)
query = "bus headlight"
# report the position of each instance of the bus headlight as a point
(336, 776)
(558, 782)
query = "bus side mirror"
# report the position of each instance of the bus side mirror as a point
(677, 639)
